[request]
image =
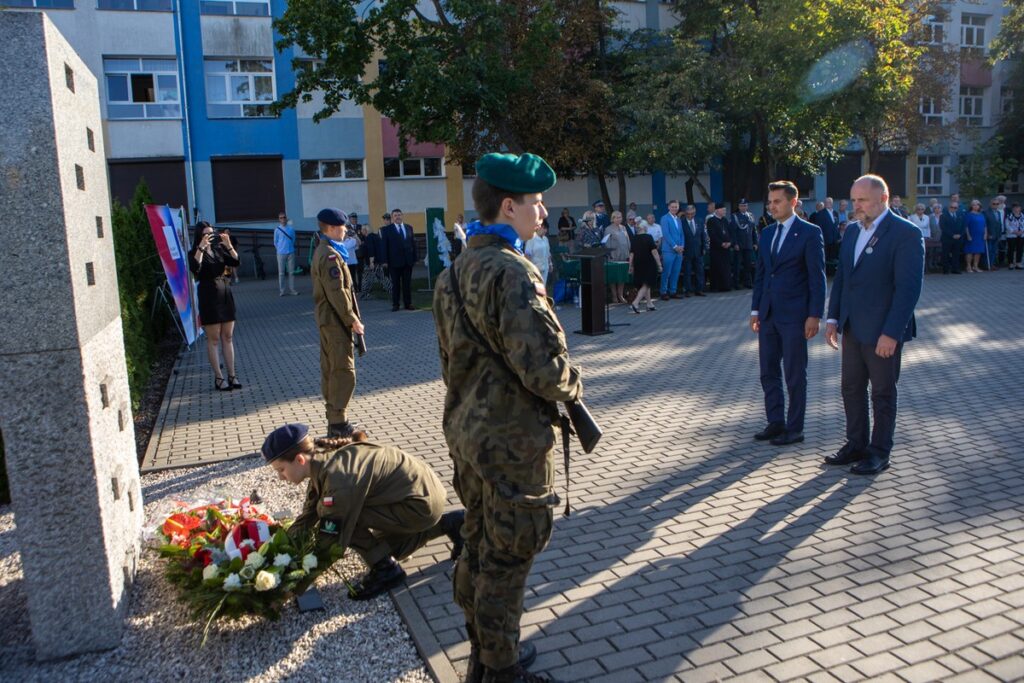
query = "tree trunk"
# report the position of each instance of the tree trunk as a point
(689, 189)
(694, 180)
(602, 183)
(621, 177)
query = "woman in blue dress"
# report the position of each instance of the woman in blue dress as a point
(976, 237)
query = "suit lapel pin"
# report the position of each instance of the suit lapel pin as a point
(869, 250)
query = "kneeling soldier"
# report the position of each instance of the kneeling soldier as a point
(381, 502)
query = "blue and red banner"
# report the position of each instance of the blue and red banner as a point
(169, 234)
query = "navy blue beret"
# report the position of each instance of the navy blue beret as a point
(332, 217)
(283, 441)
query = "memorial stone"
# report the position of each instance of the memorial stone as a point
(64, 403)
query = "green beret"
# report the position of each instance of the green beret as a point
(516, 173)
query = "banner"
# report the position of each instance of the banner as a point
(170, 237)
(435, 245)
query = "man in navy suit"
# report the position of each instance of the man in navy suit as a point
(789, 298)
(951, 223)
(876, 287)
(826, 219)
(399, 248)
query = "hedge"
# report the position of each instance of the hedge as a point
(138, 273)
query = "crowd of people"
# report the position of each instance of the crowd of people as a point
(718, 253)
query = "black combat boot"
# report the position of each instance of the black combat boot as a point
(475, 669)
(340, 429)
(382, 577)
(451, 524)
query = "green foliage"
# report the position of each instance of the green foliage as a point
(478, 75)
(5, 493)
(137, 267)
(1009, 44)
(980, 173)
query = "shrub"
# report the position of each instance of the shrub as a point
(138, 272)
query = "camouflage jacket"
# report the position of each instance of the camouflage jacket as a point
(501, 411)
(332, 288)
(359, 475)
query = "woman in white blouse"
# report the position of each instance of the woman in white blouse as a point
(922, 221)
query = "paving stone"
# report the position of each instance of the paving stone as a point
(693, 552)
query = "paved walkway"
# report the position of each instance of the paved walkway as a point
(695, 553)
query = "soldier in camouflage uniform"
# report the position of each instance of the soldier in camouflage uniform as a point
(337, 316)
(505, 364)
(381, 502)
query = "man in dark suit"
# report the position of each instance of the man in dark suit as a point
(877, 285)
(951, 222)
(693, 257)
(399, 249)
(789, 298)
(742, 228)
(828, 220)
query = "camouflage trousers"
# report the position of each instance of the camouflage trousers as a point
(337, 371)
(508, 522)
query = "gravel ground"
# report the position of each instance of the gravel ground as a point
(349, 641)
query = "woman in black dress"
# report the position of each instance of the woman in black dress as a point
(210, 259)
(645, 265)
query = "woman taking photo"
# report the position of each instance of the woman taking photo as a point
(974, 221)
(209, 260)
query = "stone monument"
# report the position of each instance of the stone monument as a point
(64, 402)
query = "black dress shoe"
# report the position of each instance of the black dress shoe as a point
(410, 307)
(787, 438)
(699, 294)
(771, 431)
(871, 464)
(664, 297)
(846, 455)
(394, 308)
(686, 296)
(677, 296)
(381, 578)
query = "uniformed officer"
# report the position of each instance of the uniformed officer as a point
(381, 502)
(337, 316)
(742, 226)
(505, 364)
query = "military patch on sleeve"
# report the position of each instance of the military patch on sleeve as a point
(335, 272)
(328, 501)
(329, 526)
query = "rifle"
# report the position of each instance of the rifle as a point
(577, 420)
(358, 340)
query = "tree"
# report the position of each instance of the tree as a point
(792, 78)
(1009, 43)
(476, 75)
(660, 120)
(980, 173)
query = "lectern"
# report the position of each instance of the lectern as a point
(592, 292)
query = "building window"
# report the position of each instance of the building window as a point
(930, 111)
(240, 8)
(1013, 186)
(39, 4)
(929, 174)
(933, 31)
(140, 88)
(247, 189)
(132, 5)
(238, 88)
(971, 105)
(1006, 100)
(314, 170)
(425, 167)
(972, 33)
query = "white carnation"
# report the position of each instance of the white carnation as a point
(210, 572)
(266, 581)
(255, 560)
(282, 560)
(232, 583)
(309, 562)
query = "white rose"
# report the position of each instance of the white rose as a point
(255, 560)
(266, 581)
(210, 572)
(282, 560)
(232, 583)
(309, 562)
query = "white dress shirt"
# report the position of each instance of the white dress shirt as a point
(923, 223)
(783, 231)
